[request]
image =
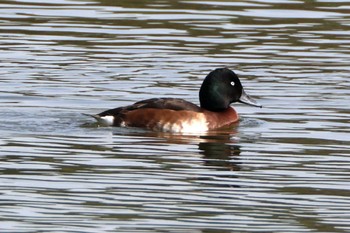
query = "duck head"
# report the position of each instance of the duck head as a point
(222, 87)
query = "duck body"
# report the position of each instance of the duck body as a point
(219, 89)
(168, 115)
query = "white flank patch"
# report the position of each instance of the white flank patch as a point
(107, 120)
(195, 125)
(190, 126)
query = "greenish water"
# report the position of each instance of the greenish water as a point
(285, 168)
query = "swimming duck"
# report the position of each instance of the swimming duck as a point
(220, 88)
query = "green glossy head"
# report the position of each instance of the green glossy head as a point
(220, 88)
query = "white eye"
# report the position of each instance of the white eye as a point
(233, 83)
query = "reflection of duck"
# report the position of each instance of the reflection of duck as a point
(221, 155)
(217, 147)
(219, 89)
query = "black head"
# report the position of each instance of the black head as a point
(220, 88)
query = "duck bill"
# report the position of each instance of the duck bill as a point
(246, 99)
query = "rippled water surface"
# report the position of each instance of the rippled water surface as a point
(284, 168)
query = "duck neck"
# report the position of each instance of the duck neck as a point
(213, 102)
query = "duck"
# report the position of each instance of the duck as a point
(220, 88)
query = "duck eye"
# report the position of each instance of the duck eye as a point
(233, 83)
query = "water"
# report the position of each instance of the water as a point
(284, 168)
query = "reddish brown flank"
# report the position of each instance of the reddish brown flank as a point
(160, 119)
(176, 121)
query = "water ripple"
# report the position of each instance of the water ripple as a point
(285, 166)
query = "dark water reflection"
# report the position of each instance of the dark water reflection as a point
(284, 168)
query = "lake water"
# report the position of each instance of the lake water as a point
(284, 168)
